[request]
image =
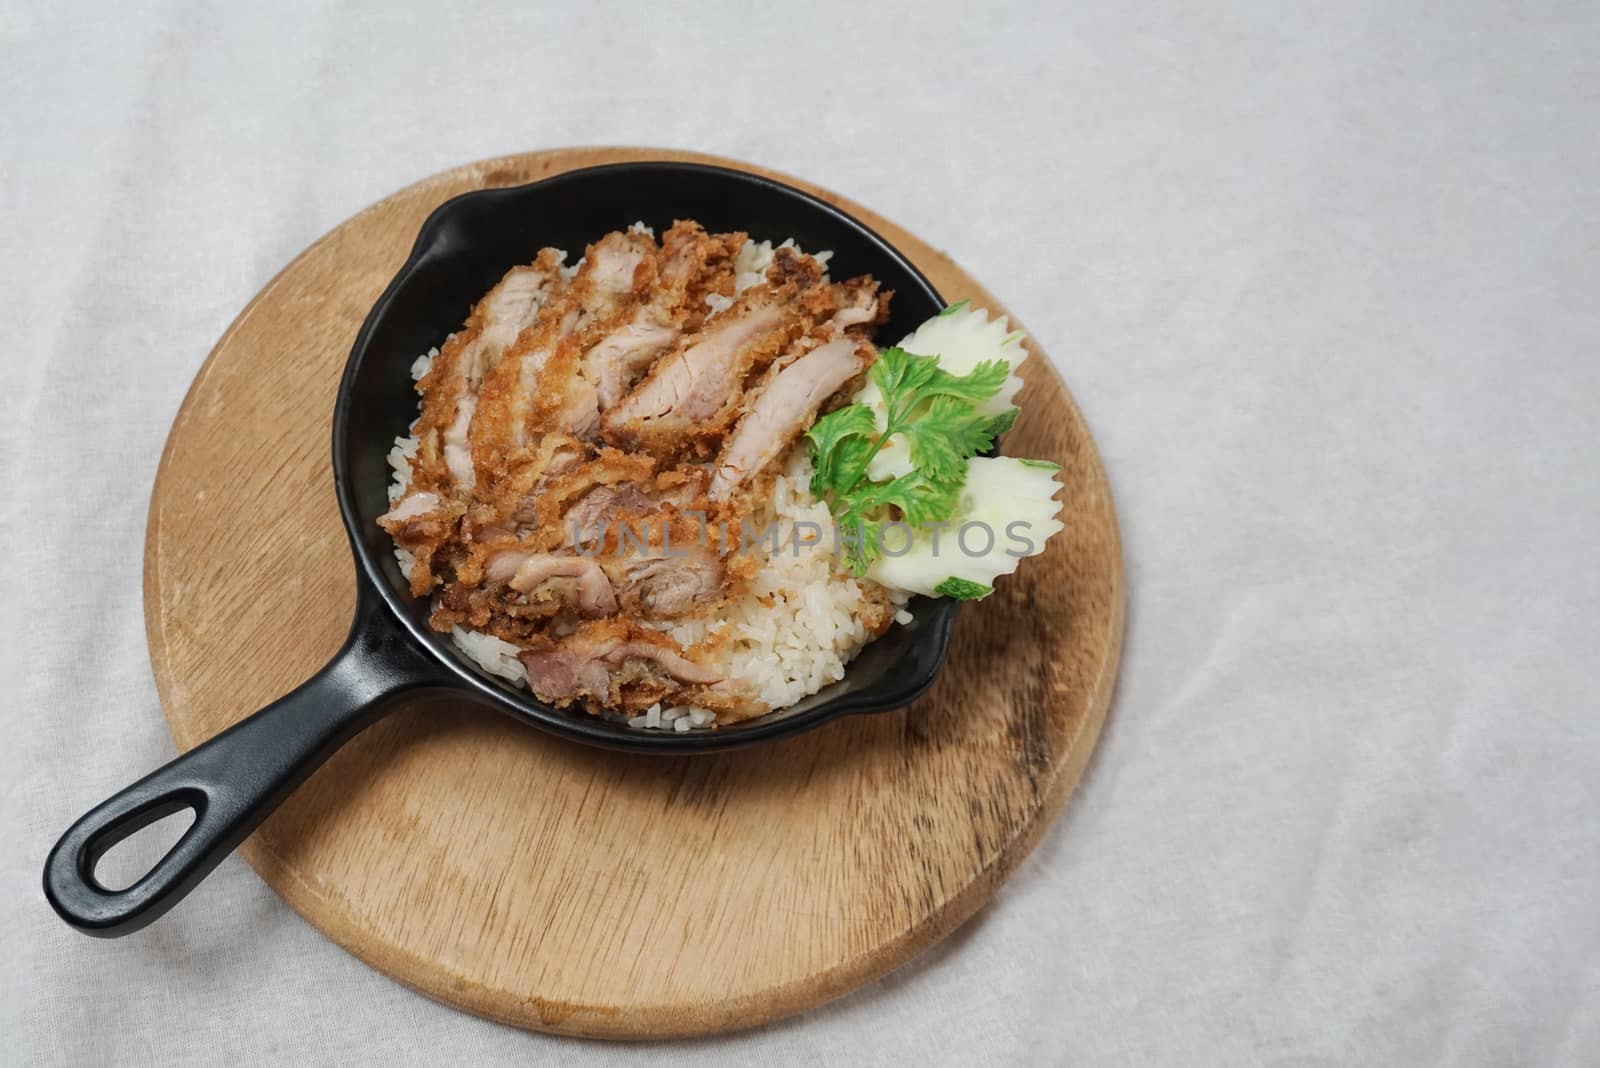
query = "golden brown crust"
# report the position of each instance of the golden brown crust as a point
(548, 490)
(685, 405)
(697, 265)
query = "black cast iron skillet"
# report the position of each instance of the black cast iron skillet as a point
(234, 780)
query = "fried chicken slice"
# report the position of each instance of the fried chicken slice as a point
(783, 408)
(694, 263)
(809, 377)
(534, 387)
(615, 664)
(691, 396)
(441, 471)
(561, 487)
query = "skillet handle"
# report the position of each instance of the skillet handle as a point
(233, 781)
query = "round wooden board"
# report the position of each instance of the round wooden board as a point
(569, 889)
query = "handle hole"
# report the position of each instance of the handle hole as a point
(132, 858)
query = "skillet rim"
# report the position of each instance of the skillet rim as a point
(456, 675)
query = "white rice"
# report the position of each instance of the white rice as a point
(750, 266)
(787, 649)
(493, 655)
(812, 628)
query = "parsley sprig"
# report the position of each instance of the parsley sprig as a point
(937, 414)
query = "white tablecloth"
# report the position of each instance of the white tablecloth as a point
(1326, 281)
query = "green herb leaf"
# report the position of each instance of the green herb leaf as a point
(962, 589)
(900, 376)
(937, 415)
(935, 410)
(920, 497)
(945, 433)
(981, 383)
(841, 444)
(1003, 422)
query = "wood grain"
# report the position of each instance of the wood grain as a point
(549, 885)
